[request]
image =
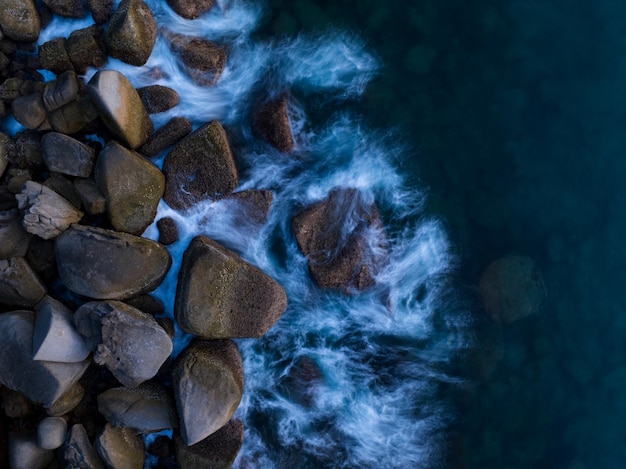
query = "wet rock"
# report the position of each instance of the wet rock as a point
(53, 56)
(216, 451)
(64, 187)
(51, 432)
(14, 239)
(46, 213)
(511, 288)
(204, 61)
(254, 206)
(191, 9)
(219, 295)
(24, 452)
(208, 384)
(67, 402)
(127, 341)
(55, 338)
(67, 155)
(271, 121)
(60, 92)
(169, 134)
(67, 8)
(132, 186)
(200, 167)
(101, 10)
(19, 285)
(121, 448)
(131, 33)
(79, 452)
(105, 264)
(92, 199)
(168, 232)
(85, 49)
(19, 20)
(69, 119)
(120, 107)
(333, 234)
(41, 382)
(29, 110)
(157, 98)
(147, 408)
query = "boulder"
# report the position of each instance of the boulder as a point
(79, 452)
(203, 60)
(67, 402)
(60, 92)
(219, 295)
(53, 56)
(51, 432)
(120, 107)
(29, 110)
(46, 213)
(157, 98)
(105, 264)
(132, 186)
(169, 134)
(101, 10)
(92, 199)
(19, 20)
(41, 382)
(191, 9)
(336, 235)
(19, 284)
(66, 8)
(168, 231)
(208, 383)
(131, 33)
(14, 239)
(271, 121)
(218, 450)
(85, 48)
(67, 155)
(200, 167)
(25, 452)
(121, 448)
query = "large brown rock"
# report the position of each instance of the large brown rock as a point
(217, 451)
(19, 20)
(131, 33)
(271, 121)
(200, 167)
(132, 186)
(219, 295)
(191, 9)
(158, 98)
(105, 264)
(208, 385)
(170, 133)
(204, 61)
(19, 284)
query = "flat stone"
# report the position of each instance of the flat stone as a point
(121, 448)
(271, 121)
(204, 60)
(19, 20)
(92, 199)
(218, 450)
(51, 432)
(105, 264)
(79, 452)
(29, 110)
(60, 92)
(169, 134)
(131, 33)
(67, 155)
(19, 284)
(208, 385)
(158, 98)
(191, 9)
(25, 452)
(14, 239)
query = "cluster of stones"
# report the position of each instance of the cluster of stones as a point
(85, 365)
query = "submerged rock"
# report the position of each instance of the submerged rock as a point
(254, 206)
(191, 9)
(131, 33)
(271, 121)
(218, 450)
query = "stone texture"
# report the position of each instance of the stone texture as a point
(208, 384)
(191, 9)
(70, 118)
(79, 452)
(60, 92)
(41, 382)
(92, 199)
(217, 451)
(25, 151)
(29, 110)
(131, 33)
(67, 402)
(169, 134)
(158, 98)
(204, 61)
(168, 231)
(67, 155)
(132, 186)
(53, 56)
(271, 121)
(85, 48)
(66, 8)
(121, 448)
(200, 167)
(19, 284)
(219, 295)
(104, 264)
(19, 20)
(120, 107)
(14, 239)
(101, 10)
(25, 453)
(51, 432)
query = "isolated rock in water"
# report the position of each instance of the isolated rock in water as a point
(19, 284)
(46, 213)
(67, 8)
(128, 342)
(219, 295)
(204, 61)
(168, 231)
(14, 239)
(67, 155)
(208, 384)
(51, 432)
(91, 198)
(191, 9)
(41, 382)
(200, 167)
(132, 185)
(147, 408)
(55, 338)
(67, 402)
(254, 206)
(79, 452)
(120, 107)
(121, 448)
(25, 452)
(216, 451)
(131, 33)
(158, 98)
(271, 121)
(60, 92)
(105, 264)
(29, 110)
(343, 240)
(511, 288)
(169, 134)
(19, 20)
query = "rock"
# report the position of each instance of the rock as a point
(333, 234)
(29, 110)
(46, 213)
(25, 152)
(92, 199)
(157, 98)
(55, 339)
(19, 285)
(51, 432)
(204, 61)
(19, 20)
(60, 92)
(4, 160)
(219, 450)
(130, 343)
(67, 155)
(85, 49)
(14, 239)
(64, 187)
(104, 264)
(120, 107)
(41, 382)
(15, 405)
(131, 33)
(254, 206)
(53, 56)
(10, 89)
(69, 119)
(146, 408)
(101, 10)
(191, 9)
(271, 121)
(200, 167)
(303, 380)
(208, 384)
(121, 448)
(511, 288)
(132, 186)
(67, 402)
(24, 452)
(147, 304)
(79, 452)
(67, 8)
(169, 134)
(168, 232)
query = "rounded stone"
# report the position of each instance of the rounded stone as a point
(51, 432)
(271, 121)
(131, 33)
(20, 20)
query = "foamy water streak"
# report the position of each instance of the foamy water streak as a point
(381, 357)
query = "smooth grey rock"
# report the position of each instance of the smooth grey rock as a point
(67, 402)
(79, 453)
(217, 451)
(60, 92)
(121, 448)
(51, 432)
(169, 134)
(46, 213)
(67, 155)
(55, 338)
(105, 264)
(19, 284)
(203, 60)
(219, 295)
(191, 9)
(29, 110)
(19, 20)
(208, 385)
(158, 98)
(131, 33)
(92, 199)
(14, 239)
(147, 408)
(271, 121)
(41, 382)
(25, 453)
